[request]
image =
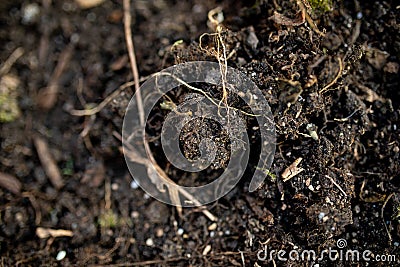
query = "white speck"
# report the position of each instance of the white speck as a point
(134, 185)
(61, 255)
(359, 15)
(394, 127)
(180, 231)
(396, 244)
(357, 209)
(321, 215)
(253, 74)
(255, 97)
(146, 196)
(227, 232)
(212, 234)
(311, 187)
(135, 214)
(30, 13)
(74, 38)
(114, 186)
(149, 242)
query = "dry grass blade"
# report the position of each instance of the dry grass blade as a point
(47, 97)
(151, 163)
(99, 107)
(10, 183)
(48, 162)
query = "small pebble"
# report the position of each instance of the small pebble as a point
(180, 231)
(135, 214)
(321, 215)
(61, 255)
(359, 15)
(149, 242)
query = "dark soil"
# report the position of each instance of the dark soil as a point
(348, 136)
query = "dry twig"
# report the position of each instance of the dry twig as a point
(47, 232)
(6, 66)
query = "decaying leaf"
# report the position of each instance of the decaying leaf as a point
(283, 20)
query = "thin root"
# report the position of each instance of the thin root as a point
(335, 79)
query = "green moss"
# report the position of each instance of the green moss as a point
(321, 5)
(108, 219)
(9, 110)
(69, 168)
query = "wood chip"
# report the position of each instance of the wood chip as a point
(292, 170)
(47, 232)
(206, 250)
(10, 183)
(49, 164)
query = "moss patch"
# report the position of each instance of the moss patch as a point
(9, 110)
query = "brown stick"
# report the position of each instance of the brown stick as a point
(48, 162)
(10, 183)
